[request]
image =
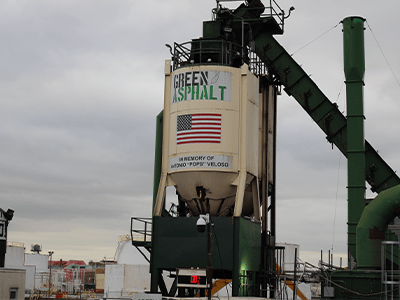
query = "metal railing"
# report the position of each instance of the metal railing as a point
(273, 10)
(141, 229)
(216, 52)
(256, 65)
(224, 51)
(15, 244)
(204, 51)
(390, 269)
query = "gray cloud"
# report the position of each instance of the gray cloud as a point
(82, 82)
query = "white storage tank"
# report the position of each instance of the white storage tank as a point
(126, 253)
(212, 138)
(125, 280)
(288, 259)
(40, 261)
(14, 257)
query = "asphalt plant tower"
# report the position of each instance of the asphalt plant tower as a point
(216, 142)
(216, 146)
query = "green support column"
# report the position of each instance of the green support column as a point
(354, 68)
(157, 174)
(236, 257)
(157, 157)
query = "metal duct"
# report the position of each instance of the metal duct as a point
(354, 68)
(373, 225)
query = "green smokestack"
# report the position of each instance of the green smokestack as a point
(354, 68)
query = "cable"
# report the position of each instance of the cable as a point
(337, 190)
(337, 186)
(383, 53)
(315, 39)
(340, 91)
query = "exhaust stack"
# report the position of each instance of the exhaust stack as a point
(354, 69)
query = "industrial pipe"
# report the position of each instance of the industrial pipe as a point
(354, 68)
(373, 225)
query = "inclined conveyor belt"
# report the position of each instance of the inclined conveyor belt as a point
(325, 113)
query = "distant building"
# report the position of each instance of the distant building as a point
(70, 276)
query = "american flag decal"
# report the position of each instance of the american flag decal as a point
(198, 128)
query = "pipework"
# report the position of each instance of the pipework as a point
(354, 69)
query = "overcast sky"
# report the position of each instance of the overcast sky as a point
(81, 83)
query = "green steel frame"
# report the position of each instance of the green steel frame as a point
(235, 243)
(157, 156)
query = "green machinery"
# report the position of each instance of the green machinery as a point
(244, 250)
